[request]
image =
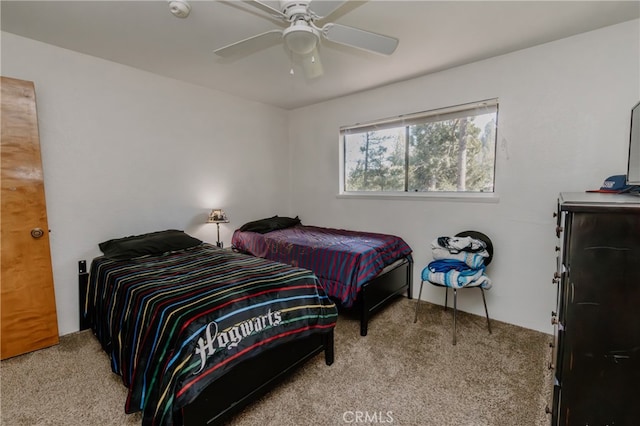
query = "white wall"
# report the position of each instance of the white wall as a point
(126, 152)
(563, 126)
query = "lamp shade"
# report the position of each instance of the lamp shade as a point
(301, 38)
(217, 216)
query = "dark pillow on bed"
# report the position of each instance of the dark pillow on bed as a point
(269, 224)
(146, 244)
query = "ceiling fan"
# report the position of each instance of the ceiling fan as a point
(301, 35)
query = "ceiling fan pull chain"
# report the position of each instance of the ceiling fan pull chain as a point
(291, 72)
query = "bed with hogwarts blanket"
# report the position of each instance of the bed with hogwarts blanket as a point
(197, 332)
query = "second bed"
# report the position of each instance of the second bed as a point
(361, 270)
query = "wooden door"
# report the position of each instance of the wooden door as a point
(28, 318)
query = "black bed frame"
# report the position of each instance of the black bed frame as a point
(245, 383)
(393, 281)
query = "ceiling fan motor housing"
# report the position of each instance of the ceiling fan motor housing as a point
(292, 9)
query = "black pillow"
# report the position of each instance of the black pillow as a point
(269, 224)
(153, 243)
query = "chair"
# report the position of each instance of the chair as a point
(476, 235)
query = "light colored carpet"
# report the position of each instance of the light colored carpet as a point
(401, 373)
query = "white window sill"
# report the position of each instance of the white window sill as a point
(468, 197)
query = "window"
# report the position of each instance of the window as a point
(445, 150)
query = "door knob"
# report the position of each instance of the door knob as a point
(37, 232)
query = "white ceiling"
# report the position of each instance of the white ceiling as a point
(434, 35)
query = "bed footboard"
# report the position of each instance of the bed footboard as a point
(252, 379)
(379, 291)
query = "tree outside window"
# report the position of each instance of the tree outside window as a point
(450, 150)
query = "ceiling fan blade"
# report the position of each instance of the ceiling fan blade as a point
(311, 65)
(251, 44)
(267, 8)
(361, 39)
(321, 8)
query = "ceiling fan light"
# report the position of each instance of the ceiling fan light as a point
(300, 39)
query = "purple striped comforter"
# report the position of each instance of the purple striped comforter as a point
(342, 260)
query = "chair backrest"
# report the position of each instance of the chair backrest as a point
(482, 237)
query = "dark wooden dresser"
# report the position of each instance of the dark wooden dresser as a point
(596, 348)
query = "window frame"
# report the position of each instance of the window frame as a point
(406, 120)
